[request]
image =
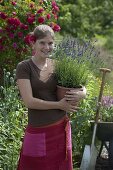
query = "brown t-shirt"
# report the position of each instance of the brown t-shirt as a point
(43, 85)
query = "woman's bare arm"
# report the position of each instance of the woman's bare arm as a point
(31, 102)
(35, 103)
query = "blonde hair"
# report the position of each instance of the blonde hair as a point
(42, 31)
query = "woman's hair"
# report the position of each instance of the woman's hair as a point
(42, 31)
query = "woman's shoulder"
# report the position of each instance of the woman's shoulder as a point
(23, 69)
(24, 62)
(23, 65)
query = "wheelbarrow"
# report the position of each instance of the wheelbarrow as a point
(90, 152)
(105, 135)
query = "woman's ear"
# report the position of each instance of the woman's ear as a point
(32, 45)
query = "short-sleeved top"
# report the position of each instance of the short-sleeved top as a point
(43, 84)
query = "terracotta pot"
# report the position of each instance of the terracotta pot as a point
(61, 92)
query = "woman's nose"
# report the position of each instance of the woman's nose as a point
(46, 46)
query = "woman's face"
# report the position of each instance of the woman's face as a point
(43, 47)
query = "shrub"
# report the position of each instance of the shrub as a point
(17, 19)
(12, 123)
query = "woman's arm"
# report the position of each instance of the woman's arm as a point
(35, 103)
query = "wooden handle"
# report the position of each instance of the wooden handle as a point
(104, 70)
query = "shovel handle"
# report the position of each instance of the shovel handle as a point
(104, 71)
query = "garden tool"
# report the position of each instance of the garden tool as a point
(90, 152)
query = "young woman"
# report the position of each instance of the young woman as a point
(47, 140)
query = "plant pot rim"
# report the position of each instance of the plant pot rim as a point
(60, 86)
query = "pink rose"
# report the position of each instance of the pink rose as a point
(30, 20)
(53, 3)
(3, 15)
(17, 22)
(24, 27)
(56, 8)
(13, 21)
(56, 28)
(14, 3)
(40, 11)
(20, 34)
(48, 16)
(41, 20)
(29, 38)
(26, 40)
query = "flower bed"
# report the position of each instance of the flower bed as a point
(17, 19)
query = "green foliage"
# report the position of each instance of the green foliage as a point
(107, 109)
(84, 18)
(70, 72)
(12, 122)
(107, 114)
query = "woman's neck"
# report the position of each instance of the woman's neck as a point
(40, 62)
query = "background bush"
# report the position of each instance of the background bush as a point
(12, 123)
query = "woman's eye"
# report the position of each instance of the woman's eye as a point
(43, 43)
(51, 43)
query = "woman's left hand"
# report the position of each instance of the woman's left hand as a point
(74, 96)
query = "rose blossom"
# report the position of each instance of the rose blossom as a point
(20, 34)
(48, 16)
(56, 8)
(13, 21)
(23, 26)
(41, 20)
(30, 20)
(40, 11)
(53, 3)
(14, 3)
(56, 28)
(3, 15)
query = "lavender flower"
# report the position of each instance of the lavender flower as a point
(107, 101)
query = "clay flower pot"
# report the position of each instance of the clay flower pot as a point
(61, 92)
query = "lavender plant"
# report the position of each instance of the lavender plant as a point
(107, 109)
(75, 60)
(81, 50)
(70, 73)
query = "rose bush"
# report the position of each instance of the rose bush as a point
(17, 19)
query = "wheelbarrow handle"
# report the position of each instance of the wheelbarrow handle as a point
(104, 71)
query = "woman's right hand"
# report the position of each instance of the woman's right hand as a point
(67, 106)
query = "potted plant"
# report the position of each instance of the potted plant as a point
(75, 60)
(71, 72)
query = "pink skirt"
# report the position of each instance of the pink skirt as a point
(47, 148)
